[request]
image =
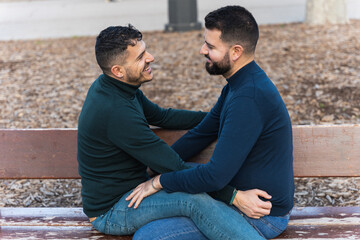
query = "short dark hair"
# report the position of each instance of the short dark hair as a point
(237, 26)
(112, 43)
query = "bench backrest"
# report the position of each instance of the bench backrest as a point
(319, 151)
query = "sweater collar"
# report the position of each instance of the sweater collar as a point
(128, 89)
(238, 77)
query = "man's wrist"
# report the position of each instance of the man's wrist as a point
(233, 197)
(156, 182)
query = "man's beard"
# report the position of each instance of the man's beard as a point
(218, 68)
(134, 77)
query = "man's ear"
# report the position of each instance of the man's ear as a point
(236, 52)
(118, 71)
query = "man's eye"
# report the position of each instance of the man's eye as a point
(210, 47)
(140, 56)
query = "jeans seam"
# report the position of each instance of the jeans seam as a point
(132, 229)
(260, 233)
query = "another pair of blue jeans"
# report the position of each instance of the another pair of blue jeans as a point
(183, 228)
(214, 219)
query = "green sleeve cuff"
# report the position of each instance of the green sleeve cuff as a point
(225, 195)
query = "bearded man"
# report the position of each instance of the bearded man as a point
(252, 127)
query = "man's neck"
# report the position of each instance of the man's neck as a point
(246, 59)
(120, 79)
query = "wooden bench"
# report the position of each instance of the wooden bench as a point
(319, 151)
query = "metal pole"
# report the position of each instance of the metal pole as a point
(182, 16)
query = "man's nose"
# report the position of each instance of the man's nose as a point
(204, 50)
(150, 58)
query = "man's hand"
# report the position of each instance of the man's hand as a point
(249, 203)
(144, 190)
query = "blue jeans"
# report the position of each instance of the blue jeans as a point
(183, 228)
(214, 219)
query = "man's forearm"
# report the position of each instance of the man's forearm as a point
(181, 119)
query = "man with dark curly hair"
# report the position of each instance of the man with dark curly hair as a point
(116, 145)
(253, 131)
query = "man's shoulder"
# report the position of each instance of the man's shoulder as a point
(256, 85)
(105, 102)
(107, 95)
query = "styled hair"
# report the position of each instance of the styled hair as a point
(112, 42)
(237, 26)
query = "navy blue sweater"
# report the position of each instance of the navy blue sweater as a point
(254, 148)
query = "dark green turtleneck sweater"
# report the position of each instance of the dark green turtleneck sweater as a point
(115, 143)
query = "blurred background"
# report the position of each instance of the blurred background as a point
(29, 19)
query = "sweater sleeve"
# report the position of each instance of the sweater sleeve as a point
(131, 133)
(239, 133)
(198, 138)
(169, 118)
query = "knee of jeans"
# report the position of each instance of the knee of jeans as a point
(99, 223)
(118, 223)
(113, 228)
(272, 227)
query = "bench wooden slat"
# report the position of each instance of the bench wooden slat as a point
(300, 232)
(38, 153)
(62, 223)
(318, 151)
(43, 217)
(41, 233)
(48, 223)
(308, 213)
(321, 232)
(323, 223)
(327, 151)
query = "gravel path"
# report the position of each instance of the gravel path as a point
(43, 84)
